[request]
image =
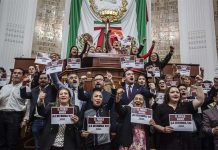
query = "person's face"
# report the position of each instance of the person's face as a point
(64, 97)
(162, 85)
(116, 44)
(17, 76)
(1, 72)
(54, 56)
(169, 78)
(43, 80)
(98, 49)
(73, 80)
(215, 98)
(74, 51)
(153, 57)
(92, 49)
(97, 98)
(129, 77)
(31, 70)
(134, 50)
(141, 80)
(85, 38)
(83, 77)
(99, 81)
(183, 91)
(187, 81)
(138, 100)
(174, 94)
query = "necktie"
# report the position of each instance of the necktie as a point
(73, 96)
(129, 91)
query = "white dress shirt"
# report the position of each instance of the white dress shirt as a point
(10, 99)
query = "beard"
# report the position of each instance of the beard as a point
(98, 86)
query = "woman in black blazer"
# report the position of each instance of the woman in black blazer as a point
(62, 136)
(132, 135)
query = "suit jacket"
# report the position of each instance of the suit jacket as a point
(50, 91)
(137, 89)
(126, 130)
(71, 133)
(210, 120)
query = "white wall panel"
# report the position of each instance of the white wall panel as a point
(197, 34)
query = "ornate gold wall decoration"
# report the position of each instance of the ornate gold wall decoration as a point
(113, 13)
(48, 26)
(165, 27)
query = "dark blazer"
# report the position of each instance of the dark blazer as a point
(50, 91)
(137, 89)
(71, 134)
(126, 130)
(210, 120)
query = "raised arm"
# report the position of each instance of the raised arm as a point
(167, 58)
(141, 48)
(149, 52)
(118, 107)
(200, 97)
(58, 84)
(84, 50)
(108, 43)
(24, 94)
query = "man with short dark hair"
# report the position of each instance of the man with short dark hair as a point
(43, 91)
(131, 89)
(14, 112)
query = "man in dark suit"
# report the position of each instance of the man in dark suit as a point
(210, 123)
(99, 82)
(43, 91)
(131, 89)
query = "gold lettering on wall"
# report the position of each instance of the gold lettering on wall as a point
(48, 26)
(165, 27)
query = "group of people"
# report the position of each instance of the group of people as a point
(28, 99)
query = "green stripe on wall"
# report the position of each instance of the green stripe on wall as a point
(141, 21)
(74, 20)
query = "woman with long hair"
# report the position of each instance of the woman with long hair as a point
(169, 139)
(61, 136)
(132, 136)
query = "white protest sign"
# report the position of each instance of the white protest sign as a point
(181, 122)
(127, 61)
(42, 58)
(139, 63)
(74, 62)
(155, 70)
(54, 66)
(160, 98)
(98, 125)
(184, 70)
(61, 115)
(206, 87)
(141, 115)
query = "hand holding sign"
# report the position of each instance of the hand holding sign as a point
(215, 130)
(85, 134)
(168, 129)
(74, 118)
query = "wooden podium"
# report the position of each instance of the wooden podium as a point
(99, 63)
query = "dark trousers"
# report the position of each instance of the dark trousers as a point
(37, 126)
(100, 147)
(10, 129)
